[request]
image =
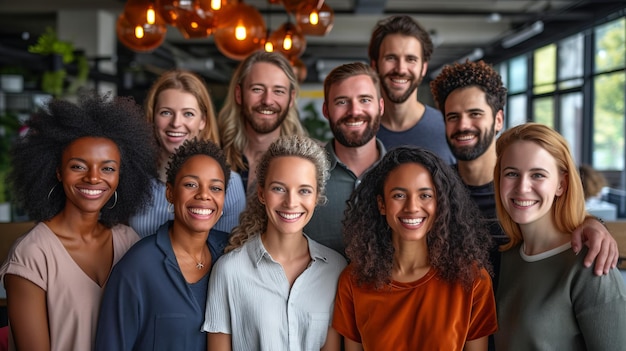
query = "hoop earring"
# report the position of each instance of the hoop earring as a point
(52, 190)
(114, 202)
(170, 207)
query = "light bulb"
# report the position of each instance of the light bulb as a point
(314, 17)
(150, 15)
(287, 42)
(269, 47)
(216, 5)
(240, 32)
(138, 32)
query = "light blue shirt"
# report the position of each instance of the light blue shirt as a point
(250, 298)
(153, 216)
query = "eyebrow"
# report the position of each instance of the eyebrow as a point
(83, 160)
(343, 97)
(193, 176)
(285, 185)
(534, 169)
(406, 190)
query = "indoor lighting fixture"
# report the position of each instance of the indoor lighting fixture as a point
(139, 27)
(242, 32)
(314, 20)
(288, 40)
(523, 35)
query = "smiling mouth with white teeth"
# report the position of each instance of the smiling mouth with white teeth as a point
(175, 134)
(412, 221)
(266, 112)
(91, 192)
(290, 216)
(526, 203)
(201, 211)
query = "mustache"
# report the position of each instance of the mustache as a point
(401, 76)
(265, 107)
(358, 118)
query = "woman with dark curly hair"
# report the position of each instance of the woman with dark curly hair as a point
(80, 171)
(418, 275)
(156, 295)
(274, 287)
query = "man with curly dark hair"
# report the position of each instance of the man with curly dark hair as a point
(418, 277)
(399, 51)
(80, 171)
(471, 97)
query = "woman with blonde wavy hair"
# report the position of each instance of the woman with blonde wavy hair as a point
(260, 107)
(546, 298)
(179, 107)
(293, 278)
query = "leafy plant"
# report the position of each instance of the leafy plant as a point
(53, 81)
(317, 126)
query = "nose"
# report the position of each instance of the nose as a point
(290, 199)
(176, 119)
(411, 204)
(92, 175)
(400, 66)
(266, 98)
(354, 109)
(203, 193)
(523, 184)
(464, 122)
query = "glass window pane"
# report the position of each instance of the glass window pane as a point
(609, 46)
(571, 120)
(544, 74)
(608, 122)
(517, 111)
(518, 71)
(543, 111)
(502, 69)
(571, 51)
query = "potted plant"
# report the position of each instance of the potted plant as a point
(60, 54)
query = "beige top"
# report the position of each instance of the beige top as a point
(73, 298)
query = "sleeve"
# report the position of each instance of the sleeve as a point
(483, 320)
(119, 318)
(28, 259)
(217, 314)
(234, 203)
(600, 309)
(344, 315)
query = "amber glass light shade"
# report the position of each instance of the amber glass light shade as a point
(292, 5)
(313, 20)
(289, 40)
(299, 68)
(242, 33)
(142, 11)
(140, 37)
(196, 23)
(221, 10)
(168, 10)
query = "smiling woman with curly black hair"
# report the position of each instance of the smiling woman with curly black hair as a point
(80, 171)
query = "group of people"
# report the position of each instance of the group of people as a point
(256, 237)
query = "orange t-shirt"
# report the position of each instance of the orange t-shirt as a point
(428, 314)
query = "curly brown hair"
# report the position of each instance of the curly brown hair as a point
(468, 74)
(458, 241)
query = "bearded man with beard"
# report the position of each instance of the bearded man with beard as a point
(399, 51)
(353, 106)
(259, 108)
(471, 97)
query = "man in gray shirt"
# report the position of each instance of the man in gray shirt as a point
(353, 106)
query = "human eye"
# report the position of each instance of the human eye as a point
(341, 102)
(77, 166)
(426, 196)
(538, 175)
(452, 118)
(108, 169)
(165, 113)
(398, 196)
(412, 59)
(306, 191)
(189, 114)
(190, 185)
(280, 92)
(366, 100)
(278, 189)
(216, 189)
(256, 90)
(510, 174)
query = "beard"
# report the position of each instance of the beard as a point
(264, 126)
(402, 97)
(354, 139)
(470, 153)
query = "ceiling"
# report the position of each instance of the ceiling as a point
(459, 28)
